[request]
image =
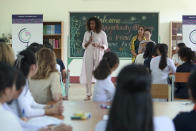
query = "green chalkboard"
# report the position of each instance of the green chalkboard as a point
(119, 27)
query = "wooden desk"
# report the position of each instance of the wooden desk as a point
(170, 109)
(82, 106)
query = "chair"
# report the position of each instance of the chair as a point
(182, 76)
(161, 91)
(179, 77)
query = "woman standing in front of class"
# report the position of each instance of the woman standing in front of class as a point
(135, 41)
(94, 43)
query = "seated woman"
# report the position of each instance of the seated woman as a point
(11, 79)
(6, 54)
(187, 56)
(104, 88)
(175, 57)
(132, 108)
(185, 121)
(149, 54)
(61, 68)
(25, 105)
(45, 84)
(7, 88)
(161, 65)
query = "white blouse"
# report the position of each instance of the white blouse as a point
(92, 53)
(176, 59)
(160, 124)
(139, 59)
(8, 121)
(25, 105)
(98, 38)
(104, 90)
(25, 126)
(160, 76)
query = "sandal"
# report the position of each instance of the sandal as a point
(88, 98)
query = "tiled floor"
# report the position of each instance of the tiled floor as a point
(77, 92)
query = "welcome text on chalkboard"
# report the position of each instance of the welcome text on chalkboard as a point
(119, 27)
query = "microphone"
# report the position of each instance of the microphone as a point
(91, 33)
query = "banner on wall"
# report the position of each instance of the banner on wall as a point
(189, 31)
(26, 29)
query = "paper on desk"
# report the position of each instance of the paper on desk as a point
(105, 117)
(44, 121)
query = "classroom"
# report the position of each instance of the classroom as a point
(80, 45)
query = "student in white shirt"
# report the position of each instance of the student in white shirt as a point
(7, 88)
(149, 53)
(161, 65)
(140, 57)
(132, 108)
(10, 79)
(20, 83)
(176, 58)
(25, 105)
(104, 88)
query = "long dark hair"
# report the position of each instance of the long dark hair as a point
(108, 61)
(98, 24)
(20, 80)
(186, 53)
(141, 26)
(149, 50)
(34, 47)
(192, 84)
(8, 77)
(180, 45)
(24, 60)
(163, 49)
(132, 105)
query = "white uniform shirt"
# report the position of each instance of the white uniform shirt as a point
(25, 105)
(160, 76)
(139, 59)
(104, 90)
(58, 67)
(8, 121)
(25, 126)
(177, 59)
(160, 124)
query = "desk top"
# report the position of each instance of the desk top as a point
(83, 106)
(170, 109)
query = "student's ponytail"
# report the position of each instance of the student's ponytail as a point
(163, 50)
(108, 61)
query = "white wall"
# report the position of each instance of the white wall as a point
(58, 10)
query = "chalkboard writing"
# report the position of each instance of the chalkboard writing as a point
(119, 27)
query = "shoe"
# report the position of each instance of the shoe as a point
(65, 98)
(88, 98)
